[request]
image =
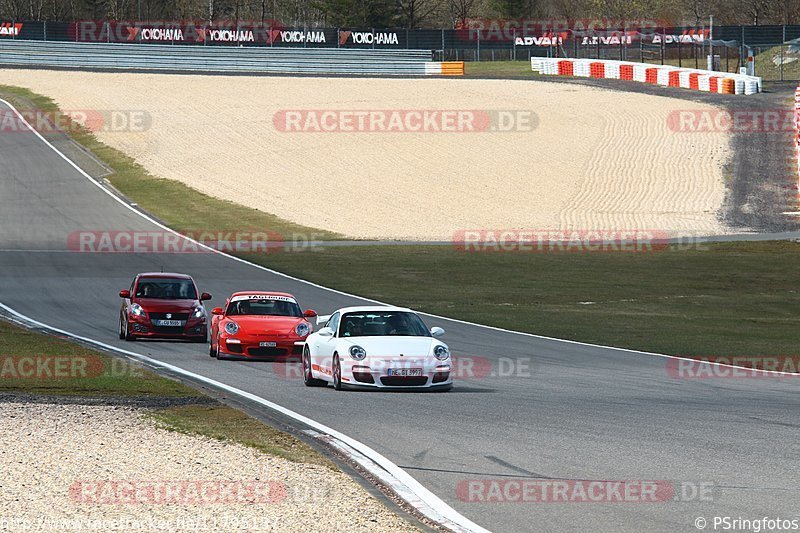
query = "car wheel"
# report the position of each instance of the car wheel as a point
(127, 334)
(308, 379)
(121, 331)
(337, 373)
(211, 350)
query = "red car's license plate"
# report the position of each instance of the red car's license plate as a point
(267, 344)
(405, 372)
(168, 323)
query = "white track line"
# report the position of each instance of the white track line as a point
(398, 479)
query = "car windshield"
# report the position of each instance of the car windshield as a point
(379, 324)
(166, 289)
(264, 307)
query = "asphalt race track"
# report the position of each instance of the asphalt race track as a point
(582, 413)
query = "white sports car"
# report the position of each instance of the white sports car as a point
(376, 348)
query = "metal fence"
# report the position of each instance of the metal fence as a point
(775, 49)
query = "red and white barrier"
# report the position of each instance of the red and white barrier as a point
(797, 132)
(665, 75)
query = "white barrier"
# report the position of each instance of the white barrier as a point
(665, 75)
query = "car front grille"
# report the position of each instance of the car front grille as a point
(266, 352)
(440, 377)
(403, 381)
(173, 316)
(168, 330)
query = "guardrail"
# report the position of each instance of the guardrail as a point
(665, 75)
(98, 56)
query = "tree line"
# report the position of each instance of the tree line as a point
(409, 14)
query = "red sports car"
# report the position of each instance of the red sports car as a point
(163, 305)
(259, 325)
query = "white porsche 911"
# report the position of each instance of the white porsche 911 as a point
(376, 348)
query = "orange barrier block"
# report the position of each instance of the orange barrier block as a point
(713, 84)
(693, 83)
(452, 68)
(674, 78)
(565, 68)
(626, 72)
(597, 70)
(651, 75)
(728, 86)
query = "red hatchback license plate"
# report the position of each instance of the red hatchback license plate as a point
(405, 372)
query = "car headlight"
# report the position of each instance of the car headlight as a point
(199, 312)
(136, 310)
(231, 328)
(441, 352)
(358, 353)
(302, 329)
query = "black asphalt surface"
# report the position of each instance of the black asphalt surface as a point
(571, 412)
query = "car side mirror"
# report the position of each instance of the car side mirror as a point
(437, 332)
(217, 311)
(124, 294)
(326, 332)
(310, 313)
(205, 296)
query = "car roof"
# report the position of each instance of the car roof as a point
(367, 308)
(269, 293)
(164, 275)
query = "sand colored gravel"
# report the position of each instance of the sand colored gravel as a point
(92, 468)
(597, 159)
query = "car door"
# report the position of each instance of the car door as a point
(327, 345)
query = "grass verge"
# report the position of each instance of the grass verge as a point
(721, 299)
(499, 69)
(33, 363)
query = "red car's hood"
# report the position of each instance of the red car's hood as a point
(266, 324)
(155, 305)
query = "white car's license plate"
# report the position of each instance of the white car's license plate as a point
(267, 344)
(168, 323)
(405, 372)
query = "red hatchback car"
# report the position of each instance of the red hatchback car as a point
(259, 325)
(163, 305)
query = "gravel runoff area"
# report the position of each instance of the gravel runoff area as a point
(593, 159)
(79, 467)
